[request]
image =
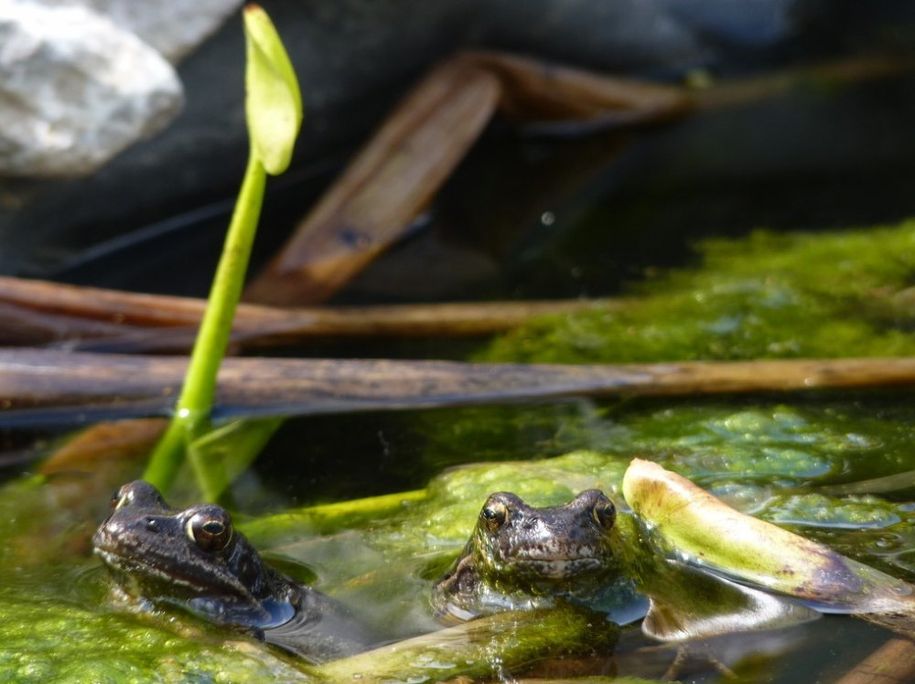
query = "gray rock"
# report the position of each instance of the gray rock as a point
(174, 28)
(75, 90)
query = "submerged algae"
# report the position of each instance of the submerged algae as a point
(825, 294)
(481, 648)
(46, 639)
(713, 442)
(56, 623)
(776, 461)
(773, 460)
(768, 296)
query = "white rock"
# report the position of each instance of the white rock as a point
(173, 27)
(75, 90)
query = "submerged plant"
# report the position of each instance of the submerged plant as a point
(273, 107)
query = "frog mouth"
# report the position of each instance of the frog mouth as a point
(134, 570)
(558, 568)
(128, 569)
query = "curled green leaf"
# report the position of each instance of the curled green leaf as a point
(273, 102)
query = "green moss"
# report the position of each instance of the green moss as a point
(767, 296)
(50, 639)
(711, 441)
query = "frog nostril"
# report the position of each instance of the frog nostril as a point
(152, 524)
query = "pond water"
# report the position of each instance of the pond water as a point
(836, 467)
(766, 457)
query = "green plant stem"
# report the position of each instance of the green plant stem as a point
(192, 412)
(167, 456)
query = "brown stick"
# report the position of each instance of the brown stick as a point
(892, 663)
(39, 384)
(124, 440)
(21, 325)
(40, 312)
(740, 92)
(534, 90)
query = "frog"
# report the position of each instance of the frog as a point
(523, 557)
(594, 554)
(194, 559)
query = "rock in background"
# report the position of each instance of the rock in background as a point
(173, 27)
(75, 90)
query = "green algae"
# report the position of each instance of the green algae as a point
(383, 553)
(852, 513)
(767, 296)
(769, 459)
(440, 520)
(870, 529)
(57, 622)
(770, 295)
(714, 442)
(46, 639)
(81, 636)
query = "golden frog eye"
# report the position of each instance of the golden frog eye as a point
(494, 514)
(210, 529)
(604, 513)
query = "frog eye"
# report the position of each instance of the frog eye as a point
(210, 529)
(604, 513)
(494, 514)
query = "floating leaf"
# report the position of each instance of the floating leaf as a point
(687, 603)
(693, 524)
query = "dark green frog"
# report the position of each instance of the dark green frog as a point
(196, 560)
(524, 557)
